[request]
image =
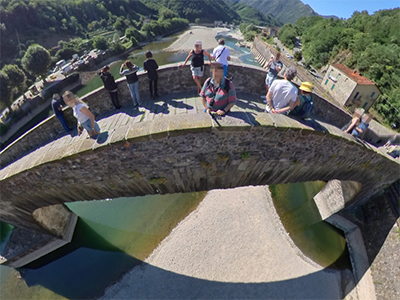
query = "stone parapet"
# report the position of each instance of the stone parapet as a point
(186, 153)
(172, 78)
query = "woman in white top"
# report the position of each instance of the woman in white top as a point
(82, 113)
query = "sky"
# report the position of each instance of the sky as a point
(345, 8)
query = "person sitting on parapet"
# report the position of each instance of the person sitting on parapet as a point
(359, 131)
(304, 102)
(218, 93)
(355, 121)
(82, 113)
(282, 95)
(392, 149)
(57, 108)
(391, 141)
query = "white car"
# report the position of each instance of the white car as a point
(289, 56)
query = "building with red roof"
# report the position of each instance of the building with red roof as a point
(349, 88)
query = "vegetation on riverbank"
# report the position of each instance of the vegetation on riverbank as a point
(249, 31)
(368, 43)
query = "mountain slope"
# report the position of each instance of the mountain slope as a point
(205, 10)
(286, 11)
(249, 14)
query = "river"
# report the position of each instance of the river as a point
(113, 236)
(137, 57)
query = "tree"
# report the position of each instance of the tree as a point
(5, 90)
(197, 21)
(37, 61)
(16, 76)
(133, 33)
(99, 42)
(298, 56)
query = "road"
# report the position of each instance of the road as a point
(315, 73)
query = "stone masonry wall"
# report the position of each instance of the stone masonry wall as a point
(172, 78)
(186, 153)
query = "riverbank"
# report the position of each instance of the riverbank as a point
(206, 35)
(232, 246)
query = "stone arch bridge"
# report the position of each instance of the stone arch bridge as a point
(172, 146)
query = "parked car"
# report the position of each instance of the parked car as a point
(65, 69)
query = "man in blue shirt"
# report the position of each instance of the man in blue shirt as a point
(57, 108)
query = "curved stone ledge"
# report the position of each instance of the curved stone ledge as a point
(183, 151)
(172, 78)
(186, 153)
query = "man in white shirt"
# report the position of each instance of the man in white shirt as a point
(222, 55)
(282, 95)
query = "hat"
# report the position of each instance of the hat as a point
(306, 86)
(198, 43)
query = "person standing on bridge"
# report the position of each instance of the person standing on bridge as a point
(197, 63)
(110, 85)
(218, 93)
(57, 108)
(282, 95)
(82, 113)
(151, 67)
(132, 81)
(275, 66)
(222, 55)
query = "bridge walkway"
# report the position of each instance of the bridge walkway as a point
(246, 111)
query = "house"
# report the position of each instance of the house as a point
(218, 23)
(349, 87)
(270, 31)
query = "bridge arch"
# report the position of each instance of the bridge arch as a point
(186, 153)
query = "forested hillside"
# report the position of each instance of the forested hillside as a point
(287, 11)
(48, 21)
(205, 10)
(249, 14)
(369, 43)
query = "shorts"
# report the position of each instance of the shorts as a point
(197, 71)
(269, 80)
(88, 126)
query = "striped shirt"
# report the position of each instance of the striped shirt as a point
(218, 93)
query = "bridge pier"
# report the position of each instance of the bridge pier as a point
(55, 225)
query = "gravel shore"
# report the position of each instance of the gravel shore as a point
(186, 40)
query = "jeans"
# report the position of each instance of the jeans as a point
(225, 70)
(114, 99)
(64, 123)
(88, 126)
(155, 87)
(134, 89)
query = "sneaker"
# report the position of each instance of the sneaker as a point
(267, 108)
(263, 97)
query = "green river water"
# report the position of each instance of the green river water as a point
(113, 236)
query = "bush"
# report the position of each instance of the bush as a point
(298, 56)
(99, 42)
(4, 128)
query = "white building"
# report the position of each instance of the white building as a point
(349, 87)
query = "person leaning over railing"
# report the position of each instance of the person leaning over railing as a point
(218, 93)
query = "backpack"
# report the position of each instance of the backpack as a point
(307, 107)
(226, 87)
